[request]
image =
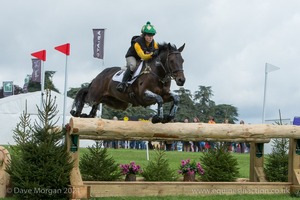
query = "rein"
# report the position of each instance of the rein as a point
(169, 75)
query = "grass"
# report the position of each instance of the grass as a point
(123, 156)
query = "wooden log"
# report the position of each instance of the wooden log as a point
(140, 130)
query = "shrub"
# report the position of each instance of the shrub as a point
(96, 165)
(40, 166)
(158, 169)
(219, 165)
(276, 164)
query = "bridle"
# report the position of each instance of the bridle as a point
(169, 75)
(166, 67)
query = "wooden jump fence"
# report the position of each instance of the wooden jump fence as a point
(256, 135)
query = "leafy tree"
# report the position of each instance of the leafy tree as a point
(225, 111)
(40, 164)
(158, 169)
(219, 165)
(97, 166)
(203, 103)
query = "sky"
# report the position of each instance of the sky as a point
(227, 45)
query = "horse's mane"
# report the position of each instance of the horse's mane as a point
(164, 46)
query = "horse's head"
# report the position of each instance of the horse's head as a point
(174, 63)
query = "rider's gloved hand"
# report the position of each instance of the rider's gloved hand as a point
(155, 53)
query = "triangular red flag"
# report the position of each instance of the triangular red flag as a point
(41, 55)
(65, 48)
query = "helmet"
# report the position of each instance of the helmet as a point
(148, 29)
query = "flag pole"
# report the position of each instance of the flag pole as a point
(268, 68)
(65, 92)
(265, 90)
(42, 84)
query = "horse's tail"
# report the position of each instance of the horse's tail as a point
(79, 102)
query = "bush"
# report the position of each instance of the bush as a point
(40, 166)
(276, 165)
(219, 165)
(158, 169)
(97, 166)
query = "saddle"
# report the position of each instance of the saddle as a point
(118, 76)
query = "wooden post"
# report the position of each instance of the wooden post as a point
(294, 166)
(4, 176)
(79, 190)
(257, 162)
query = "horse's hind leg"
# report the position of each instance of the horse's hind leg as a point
(93, 112)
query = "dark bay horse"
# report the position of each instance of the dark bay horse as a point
(151, 86)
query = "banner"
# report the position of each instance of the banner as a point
(98, 43)
(8, 88)
(36, 70)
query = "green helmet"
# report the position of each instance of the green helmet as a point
(148, 29)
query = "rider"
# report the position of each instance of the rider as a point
(142, 47)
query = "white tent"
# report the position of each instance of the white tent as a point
(12, 107)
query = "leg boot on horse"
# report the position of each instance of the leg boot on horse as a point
(121, 87)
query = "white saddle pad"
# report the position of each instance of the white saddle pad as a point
(118, 76)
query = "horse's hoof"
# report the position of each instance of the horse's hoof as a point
(167, 118)
(156, 119)
(73, 113)
(84, 115)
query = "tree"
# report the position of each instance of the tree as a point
(158, 169)
(203, 103)
(96, 165)
(225, 111)
(219, 165)
(40, 164)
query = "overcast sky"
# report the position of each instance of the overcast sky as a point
(227, 42)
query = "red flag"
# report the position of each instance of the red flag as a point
(40, 55)
(65, 48)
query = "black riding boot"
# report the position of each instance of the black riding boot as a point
(121, 87)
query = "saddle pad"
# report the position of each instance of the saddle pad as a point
(118, 76)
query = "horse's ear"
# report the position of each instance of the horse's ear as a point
(169, 46)
(181, 48)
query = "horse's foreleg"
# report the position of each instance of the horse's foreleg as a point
(159, 100)
(174, 107)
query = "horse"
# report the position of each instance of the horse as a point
(150, 86)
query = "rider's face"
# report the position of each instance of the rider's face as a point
(149, 38)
